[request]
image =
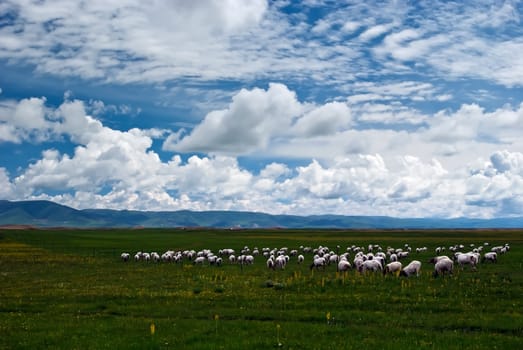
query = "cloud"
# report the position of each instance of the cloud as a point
(24, 120)
(374, 32)
(457, 41)
(119, 169)
(158, 42)
(497, 185)
(248, 124)
(6, 187)
(472, 122)
(504, 161)
(206, 18)
(116, 41)
(274, 122)
(257, 118)
(410, 45)
(98, 107)
(388, 114)
(390, 91)
(324, 120)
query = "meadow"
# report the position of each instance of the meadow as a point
(69, 289)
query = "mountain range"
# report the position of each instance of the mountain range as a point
(50, 214)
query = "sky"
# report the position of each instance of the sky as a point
(396, 108)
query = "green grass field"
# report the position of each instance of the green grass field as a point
(68, 289)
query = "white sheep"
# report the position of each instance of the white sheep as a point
(402, 255)
(435, 259)
(333, 259)
(413, 268)
(381, 260)
(392, 268)
(358, 261)
(270, 263)
(370, 265)
(442, 266)
(167, 256)
(344, 265)
(490, 256)
(125, 257)
(212, 259)
(199, 260)
(280, 262)
(439, 250)
(155, 256)
(466, 259)
(226, 252)
(248, 260)
(318, 262)
(301, 258)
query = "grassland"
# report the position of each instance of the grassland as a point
(68, 289)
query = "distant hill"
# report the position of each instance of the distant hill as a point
(50, 214)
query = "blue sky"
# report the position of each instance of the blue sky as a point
(401, 108)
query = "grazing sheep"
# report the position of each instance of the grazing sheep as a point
(248, 260)
(413, 268)
(358, 261)
(155, 257)
(381, 260)
(333, 259)
(435, 259)
(443, 266)
(189, 254)
(402, 255)
(301, 258)
(370, 265)
(125, 257)
(318, 262)
(439, 250)
(392, 268)
(226, 252)
(212, 259)
(496, 249)
(490, 256)
(280, 262)
(466, 259)
(167, 256)
(344, 265)
(199, 260)
(270, 263)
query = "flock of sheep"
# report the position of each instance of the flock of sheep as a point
(372, 258)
